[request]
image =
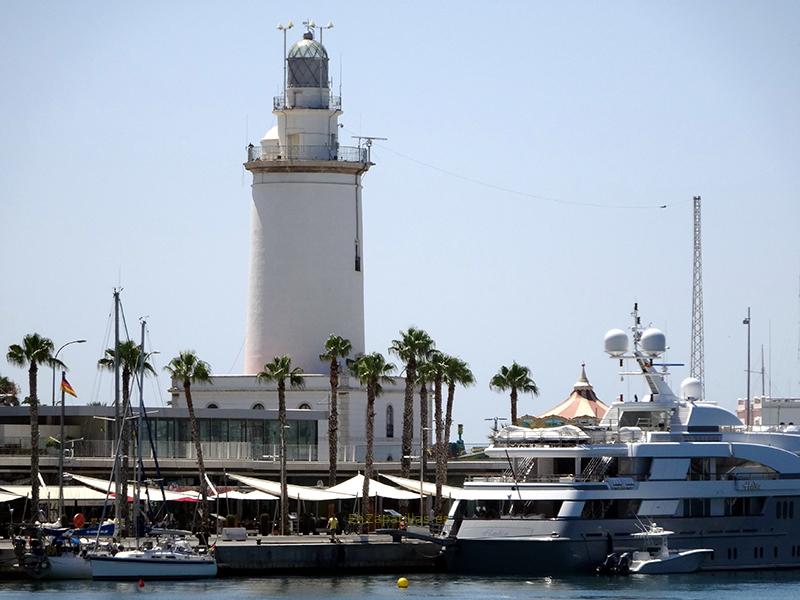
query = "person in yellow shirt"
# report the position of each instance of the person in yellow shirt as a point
(333, 525)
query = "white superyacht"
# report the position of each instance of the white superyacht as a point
(570, 500)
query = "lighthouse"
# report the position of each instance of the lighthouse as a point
(306, 256)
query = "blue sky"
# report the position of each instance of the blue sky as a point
(512, 213)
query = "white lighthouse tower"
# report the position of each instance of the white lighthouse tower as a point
(306, 261)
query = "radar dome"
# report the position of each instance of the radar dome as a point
(691, 389)
(653, 342)
(616, 342)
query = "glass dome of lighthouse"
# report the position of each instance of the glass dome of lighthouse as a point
(308, 63)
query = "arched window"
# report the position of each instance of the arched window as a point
(258, 406)
(389, 421)
(212, 405)
(304, 406)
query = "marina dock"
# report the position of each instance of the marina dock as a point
(287, 555)
(317, 554)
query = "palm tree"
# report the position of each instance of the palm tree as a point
(336, 347)
(372, 371)
(188, 369)
(516, 378)
(457, 372)
(413, 346)
(279, 370)
(129, 356)
(425, 374)
(8, 392)
(35, 350)
(438, 365)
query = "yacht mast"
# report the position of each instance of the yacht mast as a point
(118, 499)
(137, 469)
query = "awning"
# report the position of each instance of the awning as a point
(71, 493)
(428, 489)
(237, 495)
(295, 492)
(355, 486)
(153, 493)
(7, 496)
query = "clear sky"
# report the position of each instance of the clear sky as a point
(495, 215)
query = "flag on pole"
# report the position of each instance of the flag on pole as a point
(66, 387)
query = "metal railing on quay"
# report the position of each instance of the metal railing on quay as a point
(337, 153)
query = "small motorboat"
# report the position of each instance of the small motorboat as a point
(657, 558)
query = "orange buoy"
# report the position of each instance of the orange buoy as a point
(78, 520)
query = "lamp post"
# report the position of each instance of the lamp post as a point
(61, 430)
(747, 416)
(284, 484)
(284, 29)
(54, 364)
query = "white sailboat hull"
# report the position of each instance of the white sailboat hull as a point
(112, 567)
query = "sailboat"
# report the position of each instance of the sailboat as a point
(168, 553)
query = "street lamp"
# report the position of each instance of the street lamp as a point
(747, 416)
(54, 364)
(284, 29)
(284, 489)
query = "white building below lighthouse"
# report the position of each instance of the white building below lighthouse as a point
(306, 277)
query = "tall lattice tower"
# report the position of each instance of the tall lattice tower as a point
(696, 368)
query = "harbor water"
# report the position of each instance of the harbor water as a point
(776, 585)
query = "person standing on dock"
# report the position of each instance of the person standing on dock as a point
(333, 525)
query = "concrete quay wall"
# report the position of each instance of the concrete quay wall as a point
(371, 556)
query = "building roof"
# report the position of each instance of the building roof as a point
(582, 402)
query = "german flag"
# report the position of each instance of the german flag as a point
(66, 387)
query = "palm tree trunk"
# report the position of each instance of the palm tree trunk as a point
(448, 419)
(282, 438)
(513, 405)
(437, 415)
(198, 448)
(423, 417)
(408, 418)
(448, 424)
(408, 425)
(333, 422)
(34, 400)
(368, 459)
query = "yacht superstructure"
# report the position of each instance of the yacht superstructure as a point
(568, 500)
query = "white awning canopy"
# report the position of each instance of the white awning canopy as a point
(8, 496)
(428, 489)
(71, 493)
(153, 492)
(355, 486)
(238, 495)
(295, 492)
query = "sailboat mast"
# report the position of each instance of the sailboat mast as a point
(138, 464)
(118, 499)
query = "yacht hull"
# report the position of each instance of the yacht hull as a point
(113, 568)
(524, 556)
